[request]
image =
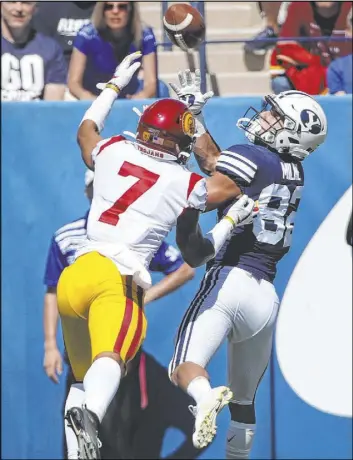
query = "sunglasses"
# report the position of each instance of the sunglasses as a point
(120, 6)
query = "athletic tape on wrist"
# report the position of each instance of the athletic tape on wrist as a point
(231, 220)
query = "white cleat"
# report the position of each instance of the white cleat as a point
(205, 415)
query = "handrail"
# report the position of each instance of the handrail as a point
(277, 39)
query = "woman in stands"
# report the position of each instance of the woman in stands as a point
(115, 31)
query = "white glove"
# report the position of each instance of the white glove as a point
(242, 211)
(123, 73)
(189, 92)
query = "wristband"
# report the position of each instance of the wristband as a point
(113, 87)
(231, 220)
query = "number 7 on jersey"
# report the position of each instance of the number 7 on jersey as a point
(146, 180)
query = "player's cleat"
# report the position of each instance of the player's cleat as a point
(85, 425)
(205, 415)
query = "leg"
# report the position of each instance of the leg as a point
(269, 11)
(204, 327)
(249, 351)
(280, 84)
(115, 327)
(69, 381)
(77, 343)
(75, 398)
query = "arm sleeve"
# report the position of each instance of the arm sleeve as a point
(148, 42)
(166, 260)
(197, 192)
(56, 263)
(239, 164)
(334, 78)
(56, 71)
(84, 39)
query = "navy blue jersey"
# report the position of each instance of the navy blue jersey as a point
(277, 183)
(27, 69)
(66, 240)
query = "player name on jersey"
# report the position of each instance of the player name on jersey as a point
(290, 171)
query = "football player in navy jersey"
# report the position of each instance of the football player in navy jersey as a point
(176, 273)
(236, 299)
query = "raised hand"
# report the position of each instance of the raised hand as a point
(189, 91)
(123, 73)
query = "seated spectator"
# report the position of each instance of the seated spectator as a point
(33, 66)
(62, 21)
(303, 66)
(115, 32)
(339, 72)
(274, 14)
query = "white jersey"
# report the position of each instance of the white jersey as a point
(136, 202)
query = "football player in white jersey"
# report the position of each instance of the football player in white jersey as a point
(237, 300)
(141, 190)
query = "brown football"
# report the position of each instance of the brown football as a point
(184, 26)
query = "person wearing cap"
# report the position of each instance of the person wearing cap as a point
(65, 240)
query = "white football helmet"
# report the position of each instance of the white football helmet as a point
(304, 124)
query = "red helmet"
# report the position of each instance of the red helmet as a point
(166, 131)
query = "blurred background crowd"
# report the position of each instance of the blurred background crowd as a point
(61, 50)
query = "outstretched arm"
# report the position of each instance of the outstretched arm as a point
(189, 91)
(93, 121)
(206, 152)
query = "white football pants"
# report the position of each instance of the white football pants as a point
(231, 303)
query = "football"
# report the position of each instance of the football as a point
(184, 26)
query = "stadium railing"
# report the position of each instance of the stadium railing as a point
(200, 5)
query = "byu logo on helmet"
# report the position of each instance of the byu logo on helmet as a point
(311, 121)
(188, 99)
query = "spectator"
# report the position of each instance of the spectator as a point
(33, 66)
(339, 72)
(302, 66)
(116, 31)
(274, 14)
(62, 21)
